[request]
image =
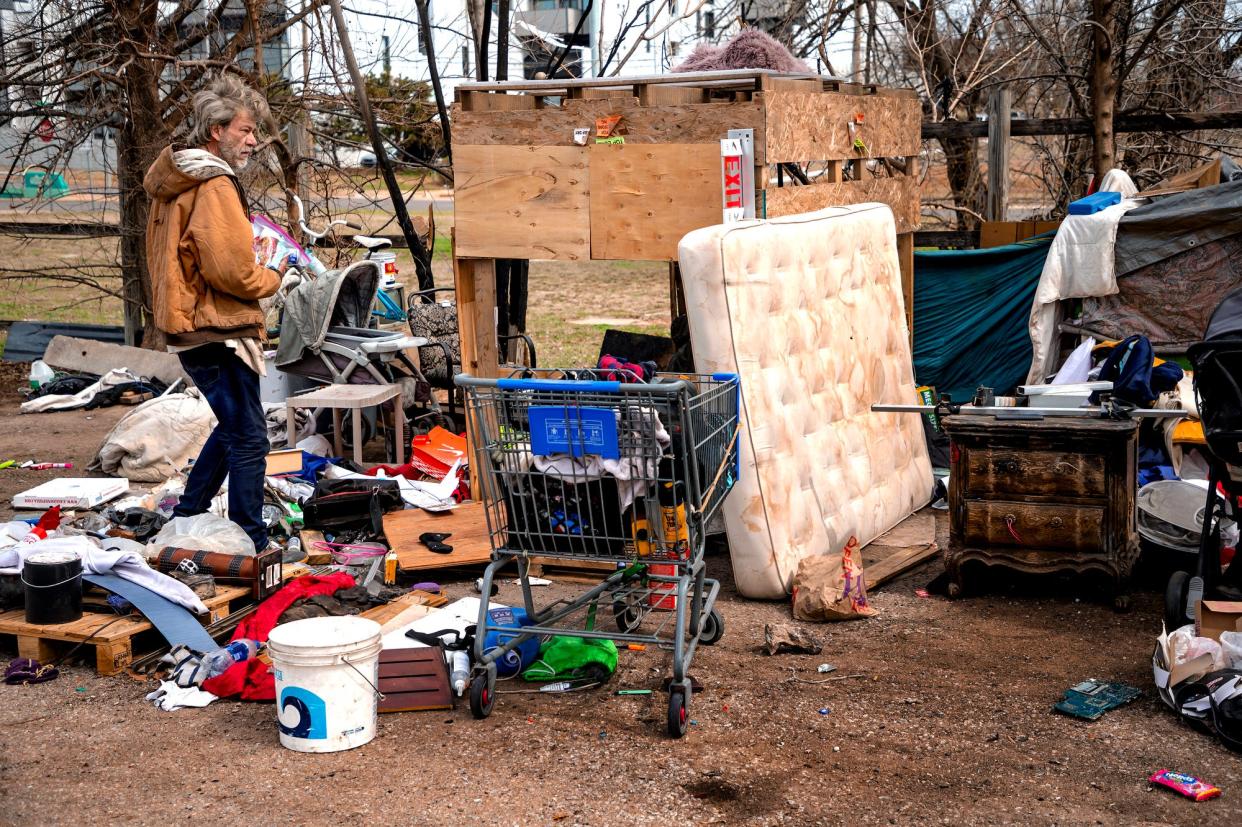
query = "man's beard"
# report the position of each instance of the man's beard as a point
(233, 157)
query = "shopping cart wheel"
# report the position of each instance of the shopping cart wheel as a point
(713, 628)
(482, 693)
(678, 709)
(627, 612)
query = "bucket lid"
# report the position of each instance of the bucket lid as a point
(323, 634)
(52, 558)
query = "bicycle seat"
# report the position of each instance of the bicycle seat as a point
(372, 243)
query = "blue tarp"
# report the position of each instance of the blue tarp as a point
(971, 314)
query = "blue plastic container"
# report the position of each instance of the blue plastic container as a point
(1094, 202)
(526, 653)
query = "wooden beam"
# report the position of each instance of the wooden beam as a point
(1161, 122)
(1000, 102)
(475, 280)
(905, 257)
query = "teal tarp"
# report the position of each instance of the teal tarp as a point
(971, 314)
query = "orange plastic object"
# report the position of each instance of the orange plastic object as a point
(435, 452)
(605, 127)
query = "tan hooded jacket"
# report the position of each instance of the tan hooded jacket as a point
(205, 284)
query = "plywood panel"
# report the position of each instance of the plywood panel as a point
(804, 126)
(554, 126)
(645, 198)
(521, 202)
(901, 194)
(466, 523)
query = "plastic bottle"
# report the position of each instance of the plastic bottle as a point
(40, 373)
(234, 652)
(293, 551)
(461, 671)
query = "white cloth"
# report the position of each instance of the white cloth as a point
(1079, 265)
(125, 564)
(67, 402)
(170, 697)
(157, 439)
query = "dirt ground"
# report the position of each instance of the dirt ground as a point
(948, 721)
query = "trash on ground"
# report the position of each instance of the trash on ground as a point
(1189, 786)
(1091, 699)
(787, 639)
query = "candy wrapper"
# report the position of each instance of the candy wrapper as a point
(1187, 785)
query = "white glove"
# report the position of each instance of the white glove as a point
(170, 697)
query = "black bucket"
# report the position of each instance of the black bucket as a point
(53, 587)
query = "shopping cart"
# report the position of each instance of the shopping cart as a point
(575, 467)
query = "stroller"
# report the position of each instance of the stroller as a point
(1217, 362)
(324, 336)
(435, 322)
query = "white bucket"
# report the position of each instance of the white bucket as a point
(327, 682)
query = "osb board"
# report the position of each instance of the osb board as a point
(901, 194)
(645, 198)
(812, 126)
(521, 202)
(466, 523)
(554, 126)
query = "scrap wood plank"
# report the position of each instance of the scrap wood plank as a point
(900, 549)
(401, 610)
(414, 679)
(112, 635)
(466, 523)
(570, 569)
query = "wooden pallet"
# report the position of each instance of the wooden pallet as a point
(114, 645)
(564, 568)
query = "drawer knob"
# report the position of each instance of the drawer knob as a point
(1056, 522)
(1008, 466)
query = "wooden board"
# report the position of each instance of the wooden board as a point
(466, 523)
(901, 194)
(690, 123)
(414, 679)
(521, 202)
(113, 644)
(645, 198)
(567, 569)
(901, 548)
(804, 126)
(392, 615)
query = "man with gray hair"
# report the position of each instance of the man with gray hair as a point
(205, 290)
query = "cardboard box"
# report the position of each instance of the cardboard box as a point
(288, 461)
(1215, 616)
(72, 492)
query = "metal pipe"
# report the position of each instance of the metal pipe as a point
(1082, 413)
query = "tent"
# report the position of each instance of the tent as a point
(971, 309)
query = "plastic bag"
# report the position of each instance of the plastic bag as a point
(1231, 649)
(1201, 646)
(204, 532)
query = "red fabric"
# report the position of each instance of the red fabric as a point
(260, 624)
(251, 679)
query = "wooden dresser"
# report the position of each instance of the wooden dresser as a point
(1043, 495)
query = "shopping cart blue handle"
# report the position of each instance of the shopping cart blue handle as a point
(570, 385)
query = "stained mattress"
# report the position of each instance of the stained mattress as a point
(808, 311)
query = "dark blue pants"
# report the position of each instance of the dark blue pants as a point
(237, 448)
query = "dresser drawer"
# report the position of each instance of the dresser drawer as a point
(1021, 473)
(1035, 526)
